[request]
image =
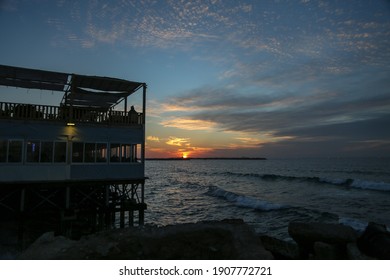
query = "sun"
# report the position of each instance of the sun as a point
(185, 155)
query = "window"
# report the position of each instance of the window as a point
(101, 152)
(15, 151)
(47, 152)
(90, 152)
(123, 152)
(33, 151)
(134, 152)
(126, 153)
(60, 152)
(77, 152)
(115, 152)
(3, 150)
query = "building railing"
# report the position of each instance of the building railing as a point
(68, 114)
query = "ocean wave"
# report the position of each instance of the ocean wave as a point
(370, 185)
(354, 183)
(358, 184)
(245, 201)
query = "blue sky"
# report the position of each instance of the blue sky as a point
(225, 78)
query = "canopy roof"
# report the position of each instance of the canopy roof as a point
(79, 90)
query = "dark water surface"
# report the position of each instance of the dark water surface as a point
(269, 193)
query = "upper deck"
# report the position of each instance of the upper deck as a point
(68, 114)
(86, 99)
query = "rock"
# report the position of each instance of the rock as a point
(375, 241)
(281, 250)
(325, 251)
(204, 240)
(353, 253)
(46, 246)
(306, 234)
(329, 233)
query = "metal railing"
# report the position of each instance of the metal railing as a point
(68, 114)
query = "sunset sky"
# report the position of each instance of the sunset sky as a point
(225, 78)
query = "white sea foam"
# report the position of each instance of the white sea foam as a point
(357, 183)
(357, 225)
(370, 185)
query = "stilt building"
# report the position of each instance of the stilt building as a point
(79, 161)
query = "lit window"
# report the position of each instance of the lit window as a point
(126, 152)
(101, 152)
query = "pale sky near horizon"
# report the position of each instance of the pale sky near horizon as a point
(273, 78)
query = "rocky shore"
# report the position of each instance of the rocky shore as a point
(227, 239)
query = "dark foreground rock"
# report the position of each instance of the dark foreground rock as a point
(281, 250)
(335, 241)
(228, 239)
(375, 241)
(324, 241)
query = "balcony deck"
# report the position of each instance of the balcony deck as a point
(20, 111)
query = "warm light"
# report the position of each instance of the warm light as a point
(70, 124)
(185, 155)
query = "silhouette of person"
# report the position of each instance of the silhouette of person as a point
(133, 115)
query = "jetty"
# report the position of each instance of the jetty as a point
(78, 165)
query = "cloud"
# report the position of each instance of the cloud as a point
(153, 138)
(327, 109)
(276, 30)
(189, 124)
(221, 99)
(177, 141)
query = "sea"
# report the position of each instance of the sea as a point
(269, 194)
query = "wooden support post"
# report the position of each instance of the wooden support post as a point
(121, 217)
(21, 225)
(107, 212)
(143, 125)
(143, 192)
(67, 198)
(141, 220)
(22, 200)
(122, 211)
(141, 211)
(131, 211)
(131, 218)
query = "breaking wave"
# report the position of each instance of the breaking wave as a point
(245, 201)
(354, 183)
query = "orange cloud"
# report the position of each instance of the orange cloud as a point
(153, 138)
(189, 124)
(176, 141)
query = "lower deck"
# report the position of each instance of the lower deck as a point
(71, 209)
